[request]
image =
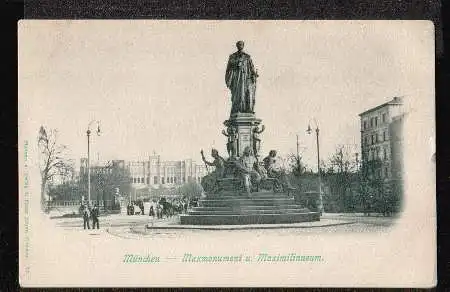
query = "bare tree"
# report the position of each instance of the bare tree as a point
(342, 161)
(296, 166)
(52, 162)
(190, 190)
(341, 176)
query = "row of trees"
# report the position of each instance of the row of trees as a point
(347, 186)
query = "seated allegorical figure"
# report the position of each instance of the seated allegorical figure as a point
(273, 171)
(246, 169)
(209, 182)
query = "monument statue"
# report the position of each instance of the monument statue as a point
(242, 189)
(256, 139)
(270, 164)
(232, 141)
(209, 182)
(240, 78)
(248, 171)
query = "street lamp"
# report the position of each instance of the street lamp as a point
(309, 131)
(88, 133)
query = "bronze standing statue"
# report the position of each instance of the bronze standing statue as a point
(231, 134)
(240, 78)
(256, 139)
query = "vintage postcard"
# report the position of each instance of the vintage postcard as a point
(165, 153)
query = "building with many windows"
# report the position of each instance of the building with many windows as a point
(156, 173)
(145, 175)
(381, 140)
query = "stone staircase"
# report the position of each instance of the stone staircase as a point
(264, 207)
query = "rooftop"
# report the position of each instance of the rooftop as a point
(397, 100)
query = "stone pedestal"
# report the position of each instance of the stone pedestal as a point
(265, 207)
(244, 124)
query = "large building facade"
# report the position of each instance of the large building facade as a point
(156, 173)
(381, 140)
(145, 175)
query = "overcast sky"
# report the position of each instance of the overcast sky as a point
(159, 85)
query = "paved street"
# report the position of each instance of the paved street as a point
(134, 227)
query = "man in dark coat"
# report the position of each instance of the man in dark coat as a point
(94, 215)
(86, 214)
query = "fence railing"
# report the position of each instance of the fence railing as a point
(100, 203)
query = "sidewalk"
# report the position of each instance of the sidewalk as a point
(174, 224)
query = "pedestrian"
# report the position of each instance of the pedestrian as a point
(159, 211)
(152, 211)
(86, 217)
(94, 215)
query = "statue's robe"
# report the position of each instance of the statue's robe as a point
(240, 78)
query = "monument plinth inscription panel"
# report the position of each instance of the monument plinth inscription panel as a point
(244, 125)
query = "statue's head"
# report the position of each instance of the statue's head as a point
(214, 153)
(272, 153)
(240, 45)
(247, 151)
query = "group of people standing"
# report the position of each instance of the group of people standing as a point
(131, 207)
(167, 208)
(88, 214)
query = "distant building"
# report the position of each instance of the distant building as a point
(147, 175)
(381, 140)
(156, 173)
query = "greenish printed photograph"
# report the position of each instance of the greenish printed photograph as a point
(200, 153)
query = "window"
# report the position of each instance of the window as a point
(148, 180)
(365, 125)
(384, 136)
(371, 122)
(376, 121)
(373, 139)
(134, 180)
(384, 154)
(175, 180)
(155, 180)
(386, 172)
(162, 180)
(142, 180)
(384, 118)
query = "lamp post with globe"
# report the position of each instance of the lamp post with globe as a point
(319, 175)
(88, 133)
